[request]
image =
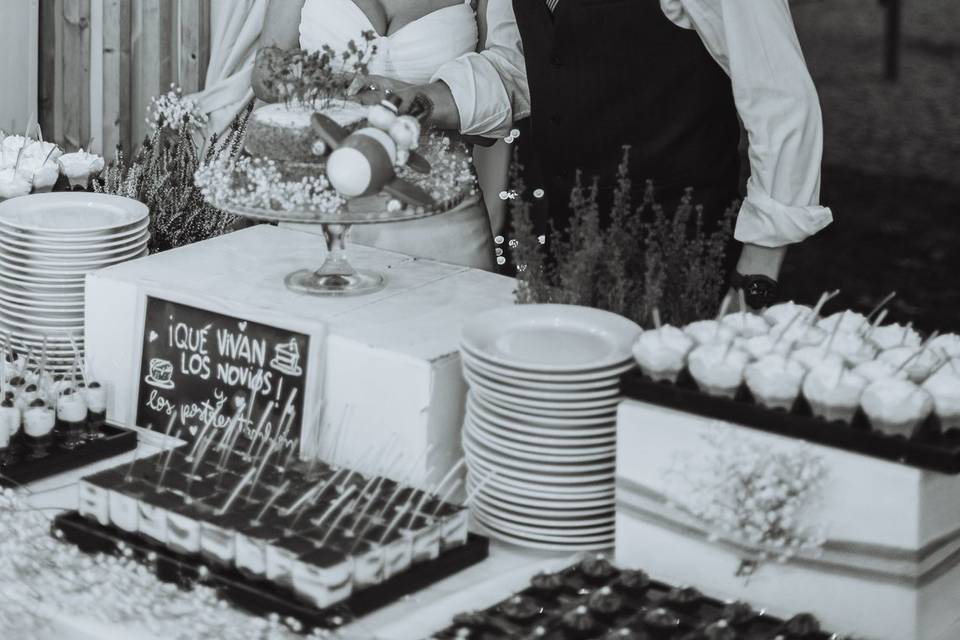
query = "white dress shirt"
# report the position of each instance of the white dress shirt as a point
(755, 42)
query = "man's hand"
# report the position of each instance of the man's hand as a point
(445, 114)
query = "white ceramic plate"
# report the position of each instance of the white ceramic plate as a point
(545, 452)
(522, 463)
(52, 304)
(543, 532)
(509, 475)
(73, 242)
(63, 251)
(534, 425)
(511, 499)
(71, 212)
(71, 261)
(542, 398)
(564, 545)
(60, 281)
(547, 511)
(527, 337)
(42, 318)
(523, 410)
(47, 269)
(32, 333)
(545, 439)
(586, 375)
(474, 367)
(24, 292)
(574, 525)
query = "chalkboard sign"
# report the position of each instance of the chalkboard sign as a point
(206, 368)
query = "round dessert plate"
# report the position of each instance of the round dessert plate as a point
(521, 464)
(42, 318)
(508, 474)
(526, 337)
(535, 489)
(601, 373)
(512, 500)
(71, 260)
(39, 280)
(492, 501)
(55, 337)
(563, 545)
(71, 212)
(491, 375)
(53, 304)
(543, 447)
(557, 411)
(73, 242)
(582, 525)
(550, 529)
(55, 270)
(522, 391)
(542, 399)
(564, 426)
(25, 293)
(539, 441)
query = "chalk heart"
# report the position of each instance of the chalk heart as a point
(194, 429)
(153, 336)
(242, 325)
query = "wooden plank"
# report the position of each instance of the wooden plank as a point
(116, 76)
(152, 58)
(75, 61)
(194, 49)
(58, 73)
(47, 68)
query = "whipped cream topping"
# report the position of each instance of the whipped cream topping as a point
(799, 333)
(894, 335)
(874, 370)
(709, 332)
(10, 149)
(39, 151)
(944, 387)
(813, 357)
(663, 349)
(775, 376)
(896, 401)
(760, 346)
(785, 312)
(852, 347)
(746, 325)
(38, 421)
(718, 366)
(71, 408)
(849, 321)
(948, 344)
(918, 363)
(833, 385)
(96, 398)
(13, 184)
(80, 164)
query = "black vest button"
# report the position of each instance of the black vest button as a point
(557, 61)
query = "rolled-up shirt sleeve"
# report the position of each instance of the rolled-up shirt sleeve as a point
(490, 86)
(756, 43)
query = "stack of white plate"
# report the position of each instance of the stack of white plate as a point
(48, 244)
(540, 431)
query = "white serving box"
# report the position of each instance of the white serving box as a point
(890, 569)
(390, 364)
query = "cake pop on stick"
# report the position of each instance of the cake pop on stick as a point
(236, 492)
(279, 491)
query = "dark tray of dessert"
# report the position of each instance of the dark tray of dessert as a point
(262, 597)
(28, 460)
(322, 544)
(931, 447)
(595, 600)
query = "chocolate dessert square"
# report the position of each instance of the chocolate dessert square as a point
(251, 548)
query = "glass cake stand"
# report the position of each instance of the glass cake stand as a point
(336, 276)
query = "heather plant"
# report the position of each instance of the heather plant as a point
(161, 176)
(642, 259)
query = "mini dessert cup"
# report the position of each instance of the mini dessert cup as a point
(718, 369)
(79, 167)
(662, 353)
(38, 423)
(323, 577)
(71, 419)
(848, 320)
(95, 396)
(785, 312)
(424, 537)
(944, 387)
(891, 336)
(709, 332)
(896, 407)
(775, 381)
(397, 552)
(947, 344)
(251, 548)
(282, 557)
(917, 362)
(833, 392)
(94, 496)
(124, 502)
(746, 325)
(453, 532)
(368, 563)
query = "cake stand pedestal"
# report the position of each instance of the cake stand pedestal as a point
(336, 276)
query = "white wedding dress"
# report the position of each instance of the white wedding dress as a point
(413, 54)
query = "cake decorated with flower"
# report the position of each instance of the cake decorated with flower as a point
(317, 153)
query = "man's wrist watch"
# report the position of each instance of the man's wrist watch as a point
(759, 291)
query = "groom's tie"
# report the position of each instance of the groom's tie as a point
(552, 4)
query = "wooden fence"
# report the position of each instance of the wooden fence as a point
(102, 61)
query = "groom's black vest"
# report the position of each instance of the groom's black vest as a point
(605, 73)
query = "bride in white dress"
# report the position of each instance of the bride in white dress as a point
(414, 38)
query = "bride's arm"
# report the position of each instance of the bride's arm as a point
(281, 29)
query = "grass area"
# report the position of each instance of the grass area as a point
(891, 160)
